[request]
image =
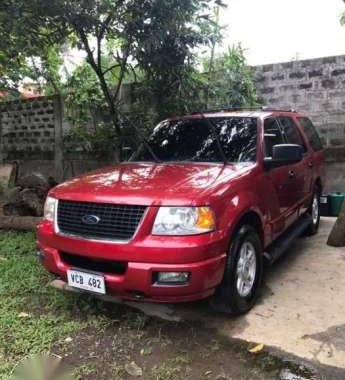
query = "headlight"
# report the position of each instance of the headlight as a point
(49, 209)
(183, 221)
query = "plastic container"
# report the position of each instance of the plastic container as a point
(325, 208)
(336, 202)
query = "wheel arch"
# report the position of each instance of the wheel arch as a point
(252, 218)
(318, 184)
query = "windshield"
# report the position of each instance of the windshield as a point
(193, 140)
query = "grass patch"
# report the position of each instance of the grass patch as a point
(172, 369)
(84, 370)
(34, 317)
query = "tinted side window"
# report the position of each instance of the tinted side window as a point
(272, 136)
(238, 138)
(291, 132)
(311, 133)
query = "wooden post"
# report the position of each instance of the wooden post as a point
(58, 147)
(337, 235)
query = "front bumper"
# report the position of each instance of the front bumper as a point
(202, 256)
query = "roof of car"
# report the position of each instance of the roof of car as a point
(249, 112)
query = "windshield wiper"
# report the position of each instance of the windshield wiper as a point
(216, 137)
(142, 138)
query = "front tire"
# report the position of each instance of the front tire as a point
(243, 274)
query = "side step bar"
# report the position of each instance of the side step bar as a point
(277, 248)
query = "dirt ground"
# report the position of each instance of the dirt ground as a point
(299, 320)
(301, 310)
(163, 350)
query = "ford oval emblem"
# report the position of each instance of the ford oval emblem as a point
(91, 220)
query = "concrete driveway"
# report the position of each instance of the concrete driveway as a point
(302, 308)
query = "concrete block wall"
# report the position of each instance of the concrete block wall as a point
(316, 86)
(27, 128)
(31, 133)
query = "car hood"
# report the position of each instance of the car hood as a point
(149, 183)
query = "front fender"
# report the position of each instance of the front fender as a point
(238, 206)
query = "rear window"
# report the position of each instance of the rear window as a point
(193, 140)
(291, 132)
(311, 133)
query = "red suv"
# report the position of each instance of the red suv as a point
(193, 213)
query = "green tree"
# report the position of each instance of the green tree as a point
(23, 40)
(86, 110)
(158, 36)
(149, 41)
(231, 81)
(168, 58)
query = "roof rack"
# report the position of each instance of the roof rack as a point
(227, 109)
(259, 108)
(271, 109)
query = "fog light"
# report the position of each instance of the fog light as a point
(171, 278)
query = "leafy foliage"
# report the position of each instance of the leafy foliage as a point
(157, 36)
(24, 37)
(167, 58)
(100, 139)
(83, 96)
(230, 80)
(150, 42)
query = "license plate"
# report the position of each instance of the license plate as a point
(86, 281)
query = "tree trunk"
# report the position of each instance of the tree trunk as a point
(19, 223)
(96, 65)
(337, 235)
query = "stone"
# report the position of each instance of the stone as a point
(278, 76)
(315, 73)
(133, 369)
(267, 90)
(34, 181)
(305, 86)
(33, 201)
(297, 75)
(25, 203)
(286, 374)
(337, 72)
(328, 83)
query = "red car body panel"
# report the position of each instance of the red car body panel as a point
(231, 190)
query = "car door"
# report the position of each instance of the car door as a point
(280, 183)
(300, 172)
(316, 154)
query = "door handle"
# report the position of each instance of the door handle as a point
(291, 174)
(310, 164)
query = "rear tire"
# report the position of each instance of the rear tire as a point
(241, 283)
(314, 212)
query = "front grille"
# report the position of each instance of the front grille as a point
(97, 265)
(116, 222)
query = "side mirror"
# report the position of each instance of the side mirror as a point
(284, 154)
